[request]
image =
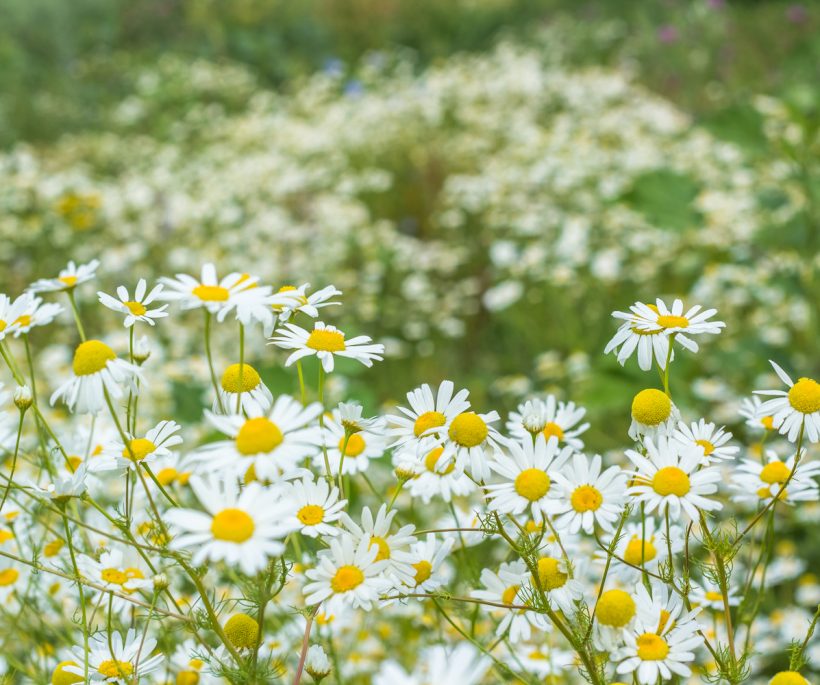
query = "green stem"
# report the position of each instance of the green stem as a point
(76, 312)
(208, 318)
(241, 366)
(14, 459)
(302, 390)
(82, 594)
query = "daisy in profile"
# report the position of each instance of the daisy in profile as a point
(135, 309)
(156, 444)
(711, 597)
(243, 529)
(651, 343)
(470, 440)
(427, 413)
(428, 557)
(359, 447)
(243, 380)
(347, 574)
(432, 479)
(755, 483)
(97, 372)
(552, 418)
(114, 658)
(272, 443)
(208, 292)
(68, 279)
(326, 342)
(33, 312)
(708, 438)
(314, 506)
(392, 547)
(587, 496)
(119, 570)
(675, 322)
(9, 313)
(750, 410)
(308, 304)
(653, 414)
(13, 582)
(528, 474)
(796, 409)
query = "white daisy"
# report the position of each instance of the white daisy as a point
(470, 440)
(635, 334)
(10, 311)
(208, 292)
(795, 409)
(711, 597)
(326, 342)
(553, 418)
(587, 496)
(528, 473)
(668, 477)
(755, 483)
(359, 447)
(350, 416)
(69, 278)
(97, 371)
(24, 313)
(71, 485)
(243, 529)
(314, 506)
(119, 570)
(641, 543)
(156, 444)
(136, 309)
(244, 384)
(674, 322)
(427, 413)
(431, 479)
(112, 658)
(708, 438)
(653, 414)
(307, 304)
(428, 557)
(750, 410)
(347, 574)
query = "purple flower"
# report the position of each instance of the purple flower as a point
(668, 34)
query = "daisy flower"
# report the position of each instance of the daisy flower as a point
(347, 574)
(13, 581)
(429, 556)
(208, 292)
(314, 506)
(359, 447)
(586, 496)
(326, 342)
(653, 414)
(634, 334)
(118, 571)
(272, 443)
(243, 380)
(392, 547)
(112, 658)
(24, 313)
(69, 278)
(642, 543)
(712, 598)
(243, 529)
(317, 665)
(675, 323)
(350, 416)
(72, 485)
(551, 418)
(614, 611)
(710, 440)
(427, 413)
(528, 474)
(135, 309)
(666, 478)
(156, 444)
(796, 409)
(300, 301)
(750, 410)
(754, 482)
(97, 372)
(468, 438)
(431, 479)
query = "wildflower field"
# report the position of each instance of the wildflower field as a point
(409, 343)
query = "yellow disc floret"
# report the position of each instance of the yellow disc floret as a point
(62, 677)
(211, 293)
(346, 578)
(324, 340)
(242, 631)
(428, 420)
(788, 678)
(138, 449)
(311, 514)
(424, 569)
(468, 429)
(651, 407)
(91, 357)
(672, 321)
(257, 436)
(805, 396)
(774, 472)
(586, 498)
(432, 458)
(532, 484)
(384, 548)
(553, 429)
(615, 608)
(670, 480)
(231, 381)
(636, 551)
(8, 576)
(232, 525)
(115, 669)
(355, 445)
(707, 446)
(550, 574)
(136, 308)
(652, 647)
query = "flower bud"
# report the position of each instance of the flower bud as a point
(404, 473)
(23, 397)
(161, 581)
(142, 350)
(317, 664)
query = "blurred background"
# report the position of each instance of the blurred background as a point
(486, 180)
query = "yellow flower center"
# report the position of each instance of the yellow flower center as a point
(355, 445)
(468, 429)
(6, 535)
(707, 446)
(311, 514)
(115, 669)
(634, 549)
(508, 596)
(765, 493)
(651, 407)
(187, 678)
(672, 321)
(670, 480)
(231, 380)
(428, 420)
(140, 448)
(8, 576)
(91, 357)
(664, 619)
(74, 462)
(211, 293)
(62, 677)
(768, 422)
(424, 569)
(652, 647)
(552, 428)
(586, 498)
(257, 436)
(774, 472)
(23, 321)
(805, 396)
(532, 484)
(550, 574)
(3, 325)
(431, 460)
(69, 281)
(167, 475)
(233, 525)
(323, 340)
(242, 631)
(114, 575)
(136, 308)
(615, 608)
(384, 548)
(346, 578)
(788, 678)
(713, 596)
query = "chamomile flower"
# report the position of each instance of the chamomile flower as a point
(97, 372)
(135, 309)
(555, 579)
(24, 313)
(300, 301)
(750, 410)
(528, 474)
(13, 581)
(667, 478)
(243, 529)
(641, 543)
(711, 597)
(359, 448)
(634, 334)
(209, 292)
(471, 440)
(427, 413)
(677, 324)
(272, 443)
(10, 311)
(114, 658)
(708, 438)
(614, 611)
(552, 418)
(69, 278)
(794, 410)
(118, 570)
(754, 482)
(243, 381)
(255, 304)
(350, 416)
(432, 478)
(587, 496)
(392, 547)
(653, 414)
(347, 574)
(315, 506)
(156, 444)
(317, 664)
(428, 557)
(326, 342)
(188, 665)
(71, 485)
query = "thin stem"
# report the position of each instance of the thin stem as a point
(241, 366)
(302, 390)
(14, 459)
(305, 639)
(208, 318)
(76, 312)
(82, 594)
